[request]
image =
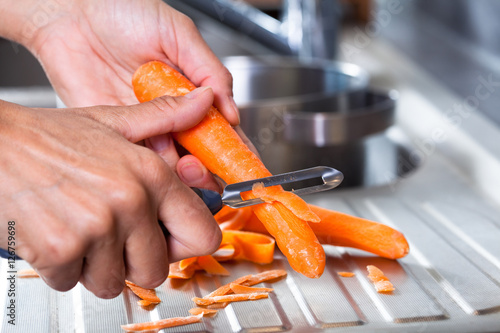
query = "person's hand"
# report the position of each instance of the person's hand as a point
(90, 49)
(86, 200)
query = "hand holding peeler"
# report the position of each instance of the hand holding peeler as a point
(231, 195)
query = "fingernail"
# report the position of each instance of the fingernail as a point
(159, 143)
(192, 173)
(235, 108)
(197, 92)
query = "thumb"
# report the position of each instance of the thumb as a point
(162, 115)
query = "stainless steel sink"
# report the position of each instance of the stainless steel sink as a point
(448, 208)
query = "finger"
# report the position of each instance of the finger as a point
(104, 270)
(193, 230)
(146, 256)
(61, 282)
(164, 146)
(202, 66)
(194, 174)
(162, 115)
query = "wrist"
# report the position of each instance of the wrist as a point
(21, 20)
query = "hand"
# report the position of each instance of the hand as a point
(86, 200)
(91, 48)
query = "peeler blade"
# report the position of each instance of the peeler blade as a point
(330, 177)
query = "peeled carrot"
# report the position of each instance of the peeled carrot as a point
(161, 324)
(149, 295)
(380, 281)
(223, 152)
(342, 229)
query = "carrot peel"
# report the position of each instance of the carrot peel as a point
(148, 295)
(161, 324)
(380, 281)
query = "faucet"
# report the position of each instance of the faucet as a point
(306, 29)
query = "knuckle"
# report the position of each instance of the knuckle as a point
(127, 195)
(100, 222)
(63, 247)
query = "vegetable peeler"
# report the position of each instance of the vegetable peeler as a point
(231, 196)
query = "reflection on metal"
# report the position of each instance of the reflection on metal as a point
(307, 29)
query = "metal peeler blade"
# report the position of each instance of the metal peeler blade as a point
(231, 195)
(331, 178)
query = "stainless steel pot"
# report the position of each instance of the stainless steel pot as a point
(302, 115)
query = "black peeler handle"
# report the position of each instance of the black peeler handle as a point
(212, 199)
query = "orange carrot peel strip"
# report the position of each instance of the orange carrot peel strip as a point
(232, 218)
(228, 298)
(175, 272)
(239, 289)
(250, 246)
(248, 280)
(380, 281)
(203, 311)
(217, 145)
(212, 266)
(225, 252)
(27, 273)
(148, 295)
(161, 324)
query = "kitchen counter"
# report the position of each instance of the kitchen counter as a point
(448, 209)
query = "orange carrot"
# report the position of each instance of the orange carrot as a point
(228, 298)
(161, 324)
(223, 152)
(251, 246)
(342, 229)
(346, 274)
(212, 266)
(148, 295)
(381, 282)
(239, 289)
(203, 311)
